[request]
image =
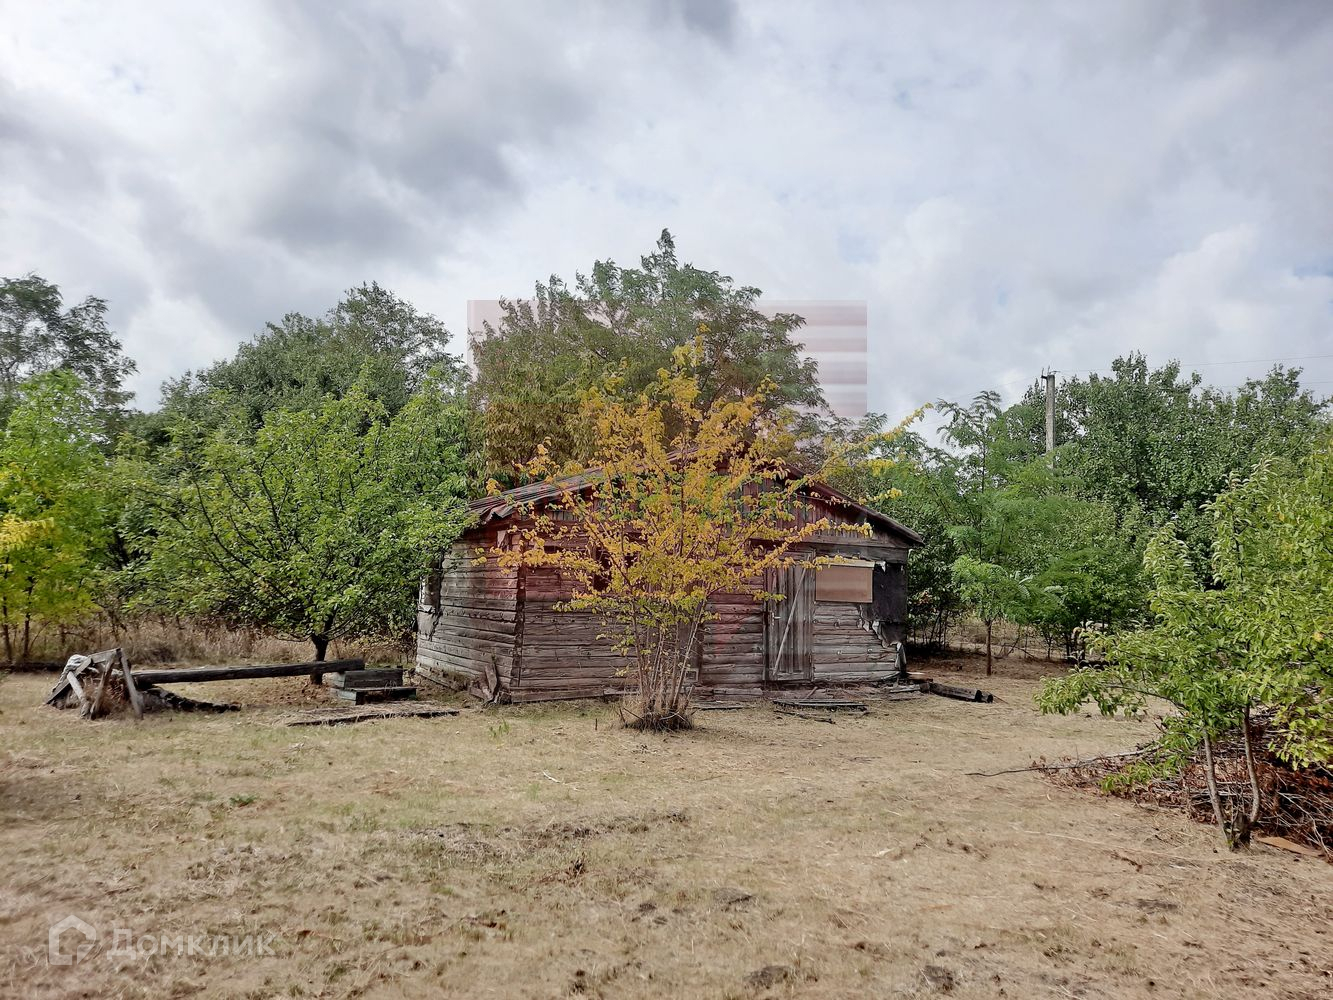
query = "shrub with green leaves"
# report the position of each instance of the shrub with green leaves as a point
(1257, 635)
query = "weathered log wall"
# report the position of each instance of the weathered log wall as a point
(467, 616)
(478, 619)
(732, 648)
(560, 655)
(843, 647)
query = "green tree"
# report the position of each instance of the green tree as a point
(1157, 442)
(371, 339)
(1273, 566)
(1256, 634)
(319, 525)
(627, 322)
(991, 592)
(1023, 543)
(1096, 584)
(1183, 656)
(38, 334)
(971, 434)
(54, 508)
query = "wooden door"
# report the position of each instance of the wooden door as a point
(789, 625)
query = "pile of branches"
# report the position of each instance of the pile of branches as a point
(1296, 805)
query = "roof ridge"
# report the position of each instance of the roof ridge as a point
(503, 504)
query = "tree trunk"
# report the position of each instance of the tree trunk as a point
(1252, 772)
(988, 649)
(1210, 775)
(9, 644)
(321, 643)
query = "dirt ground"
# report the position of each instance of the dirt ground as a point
(547, 852)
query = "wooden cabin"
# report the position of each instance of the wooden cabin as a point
(498, 631)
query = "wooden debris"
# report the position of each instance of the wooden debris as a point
(78, 679)
(113, 686)
(159, 699)
(807, 716)
(103, 665)
(1282, 843)
(136, 699)
(826, 705)
(900, 691)
(962, 694)
(722, 706)
(367, 678)
(362, 696)
(339, 716)
(67, 674)
(104, 682)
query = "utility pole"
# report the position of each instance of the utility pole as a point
(1050, 411)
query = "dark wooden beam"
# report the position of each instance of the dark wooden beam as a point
(193, 675)
(961, 693)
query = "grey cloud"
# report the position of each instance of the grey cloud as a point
(53, 147)
(389, 136)
(1008, 185)
(715, 19)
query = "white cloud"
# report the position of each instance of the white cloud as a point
(1009, 186)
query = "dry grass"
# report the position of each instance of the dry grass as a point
(546, 851)
(150, 640)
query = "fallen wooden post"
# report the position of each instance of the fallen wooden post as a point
(338, 716)
(807, 716)
(194, 675)
(831, 706)
(962, 694)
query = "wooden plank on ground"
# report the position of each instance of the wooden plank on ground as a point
(340, 716)
(831, 705)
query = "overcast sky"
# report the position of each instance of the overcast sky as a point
(1008, 186)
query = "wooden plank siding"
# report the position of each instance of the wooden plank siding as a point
(470, 621)
(732, 648)
(471, 617)
(561, 655)
(844, 649)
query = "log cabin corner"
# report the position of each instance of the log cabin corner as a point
(497, 631)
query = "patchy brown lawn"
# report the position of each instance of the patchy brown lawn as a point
(544, 852)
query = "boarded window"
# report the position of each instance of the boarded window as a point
(848, 582)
